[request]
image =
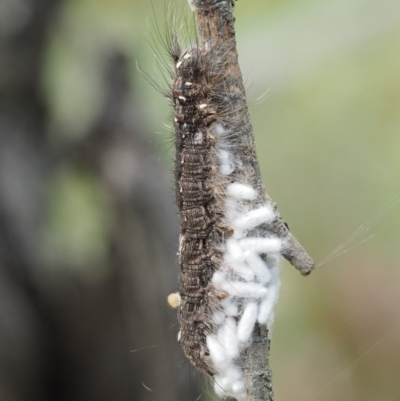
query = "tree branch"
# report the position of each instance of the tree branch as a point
(216, 31)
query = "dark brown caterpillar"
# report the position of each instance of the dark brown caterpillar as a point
(196, 201)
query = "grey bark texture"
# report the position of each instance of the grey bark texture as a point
(215, 24)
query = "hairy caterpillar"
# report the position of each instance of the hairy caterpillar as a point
(232, 235)
(225, 284)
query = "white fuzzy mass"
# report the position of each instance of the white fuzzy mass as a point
(249, 274)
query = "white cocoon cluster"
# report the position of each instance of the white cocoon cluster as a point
(234, 250)
(228, 333)
(241, 191)
(261, 245)
(247, 322)
(267, 306)
(259, 267)
(230, 307)
(254, 218)
(240, 268)
(266, 311)
(226, 166)
(218, 279)
(217, 351)
(244, 290)
(249, 274)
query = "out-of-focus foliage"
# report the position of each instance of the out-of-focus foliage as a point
(78, 224)
(328, 137)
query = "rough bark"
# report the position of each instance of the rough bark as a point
(216, 31)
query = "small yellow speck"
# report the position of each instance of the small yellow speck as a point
(174, 300)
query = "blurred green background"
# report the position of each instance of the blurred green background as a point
(323, 82)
